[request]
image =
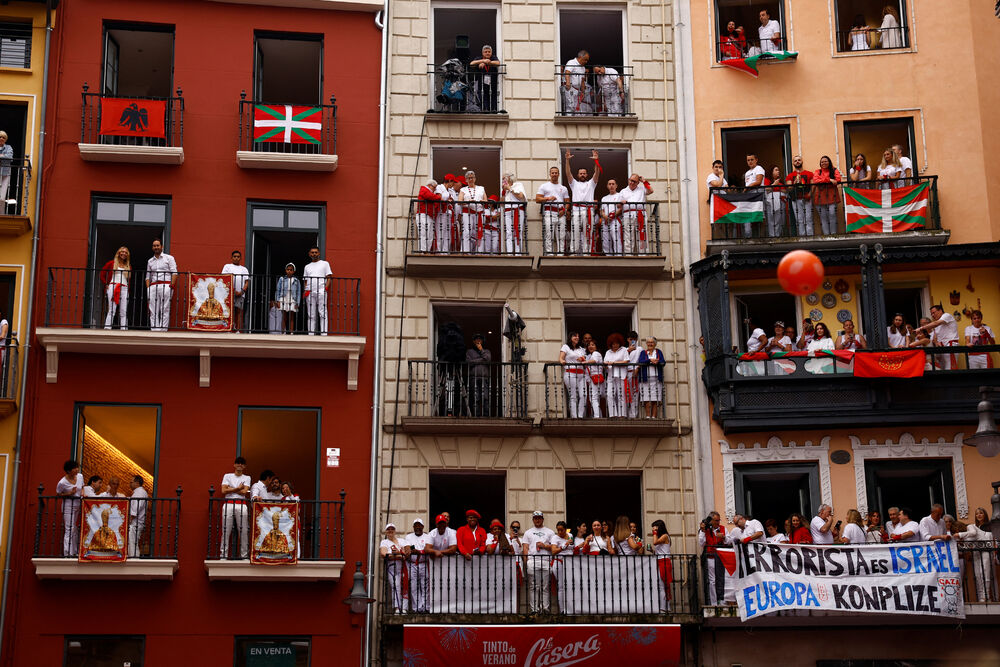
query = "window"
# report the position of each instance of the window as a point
(885, 20)
(774, 491)
(762, 310)
(484, 160)
(288, 68)
(461, 33)
(911, 301)
(119, 441)
(600, 320)
(916, 484)
(285, 440)
(472, 318)
(103, 651)
(603, 496)
(771, 145)
(138, 60)
(873, 137)
(601, 33)
(276, 651)
(745, 15)
(15, 44)
(614, 164)
(455, 492)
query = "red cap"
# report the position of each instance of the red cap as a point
(440, 519)
(494, 198)
(450, 177)
(461, 179)
(496, 522)
(473, 513)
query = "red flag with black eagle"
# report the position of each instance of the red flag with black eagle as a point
(123, 117)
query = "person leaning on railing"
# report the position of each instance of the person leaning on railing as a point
(514, 196)
(825, 194)
(115, 276)
(616, 359)
(426, 212)
(800, 196)
(984, 558)
(734, 43)
(6, 159)
(572, 356)
(483, 71)
(945, 336)
(976, 334)
(415, 547)
(651, 378)
(391, 548)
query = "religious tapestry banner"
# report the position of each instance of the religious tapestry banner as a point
(103, 530)
(210, 297)
(275, 533)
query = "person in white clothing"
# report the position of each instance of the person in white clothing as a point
(890, 34)
(572, 356)
(582, 239)
(535, 544)
(553, 196)
(753, 530)
(753, 178)
(616, 359)
(113, 485)
(983, 559)
(94, 487)
(577, 94)
(978, 333)
(932, 526)
(514, 197)
(416, 563)
(774, 535)
(779, 342)
(946, 334)
(316, 279)
(161, 276)
(561, 547)
(905, 163)
(611, 88)
(610, 213)
(821, 527)
(595, 379)
(393, 552)
(898, 331)
(236, 491)
(70, 488)
(850, 340)
(769, 33)
(634, 221)
(259, 491)
(445, 219)
(854, 530)
(474, 214)
(443, 540)
(632, 378)
(116, 275)
(241, 282)
(905, 530)
(136, 516)
(717, 178)
(757, 340)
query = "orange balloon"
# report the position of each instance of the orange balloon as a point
(800, 272)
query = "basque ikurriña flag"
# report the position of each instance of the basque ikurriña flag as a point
(737, 207)
(285, 123)
(886, 211)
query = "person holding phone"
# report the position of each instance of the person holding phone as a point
(821, 528)
(808, 333)
(849, 340)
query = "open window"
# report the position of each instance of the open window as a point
(601, 33)
(774, 491)
(104, 651)
(871, 25)
(484, 160)
(600, 320)
(872, 137)
(119, 441)
(264, 650)
(472, 318)
(461, 34)
(614, 164)
(911, 301)
(915, 484)
(603, 496)
(761, 310)
(285, 440)
(15, 44)
(771, 145)
(288, 68)
(138, 60)
(745, 14)
(457, 491)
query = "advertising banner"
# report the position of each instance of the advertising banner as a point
(905, 578)
(104, 529)
(541, 645)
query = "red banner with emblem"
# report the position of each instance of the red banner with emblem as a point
(133, 118)
(541, 645)
(891, 364)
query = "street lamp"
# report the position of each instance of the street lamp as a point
(987, 439)
(358, 600)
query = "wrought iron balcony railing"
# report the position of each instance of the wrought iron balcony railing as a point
(468, 228)
(455, 88)
(597, 391)
(10, 359)
(591, 229)
(582, 91)
(95, 298)
(495, 390)
(802, 211)
(321, 529)
(745, 45)
(303, 129)
(14, 191)
(873, 39)
(154, 527)
(133, 124)
(982, 571)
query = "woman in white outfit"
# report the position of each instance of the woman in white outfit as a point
(821, 342)
(616, 359)
(474, 215)
(624, 541)
(561, 546)
(664, 565)
(596, 543)
(595, 379)
(890, 33)
(115, 276)
(984, 561)
(572, 356)
(391, 550)
(860, 40)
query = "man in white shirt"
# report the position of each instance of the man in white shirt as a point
(893, 514)
(94, 488)
(316, 278)
(634, 214)
(235, 490)
(514, 196)
(610, 213)
(445, 220)
(161, 276)
(576, 92)
(769, 33)
(416, 563)
(553, 196)
(753, 177)
(113, 484)
(779, 342)
(136, 516)
(905, 530)
(536, 543)
(717, 178)
(581, 239)
(259, 490)
(443, 540)
(473, 213)
(241, 280)
(978, 333)
(612, 89)
(70, 488)
(821, 527)
(757, 340)
(904, 162)
(751, 529)
(946, 334)
(933, 527)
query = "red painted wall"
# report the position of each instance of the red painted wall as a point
(213, 62)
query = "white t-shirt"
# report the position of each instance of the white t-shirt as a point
(928, 527)
(784, 340)
(609, 204)
(233, 481)
(975, 334)
(259, 490)
(470, 193)
(608, 82)
(807, 339)
(620, 355)
(777, 538)
(137, 506)
(64, 487)
(491, 539)
(535, 535)
(516, 189)
(573, 355)
(417, 542)
(948, 331)
(446, 193)
(238, 272)
(576, 72)
(711, 178)
(753, 526)
(583, 191)
(818, 536)
(596, 368)
(557, 190)
(441, 542)
(766, 32)
(636, 195)
(890, 172)
(896, 339)
(854, 534)
(565, 544)
(824, 343)
(751, 175)
(314, 274)
(389, 545)
(753, 343)
(901, 528)
(734, 535)
(906, 163)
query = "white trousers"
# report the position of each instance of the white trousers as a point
(490, 243)
(594, 393)
(425, 232)
(316, 306)
(71, 527)
(134, 537)
(418, 585)
(581, 237)
(611, 236)
(538, 583)
(512, 237)
(630, 233)
(979, 361)
(394, 580)
(554, 232)
(444, 221)
(576, 392)
(121, 306)
(235, 513)
(616, 397)
(159, 306)
(470, 227)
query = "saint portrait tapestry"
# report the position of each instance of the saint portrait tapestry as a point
(103, 530)
(275, 533)
(211, 302)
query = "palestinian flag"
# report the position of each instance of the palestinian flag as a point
(749, 65)
(737, 207)
(886, 211)
(284, 123)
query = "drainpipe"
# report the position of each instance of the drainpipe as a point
(26, 329)
(382, 22)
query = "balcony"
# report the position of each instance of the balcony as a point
(494, 589)
(14, 198)
(870, 40)
(586, 400)
(152, 555)
(590, 97)
(10, 357)
(783, 206)
(319, 551)
(800, 392)
(287, 136)
(467, 399)
(137, 130)
(456, 240)
(461, 94)
(78, 319)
